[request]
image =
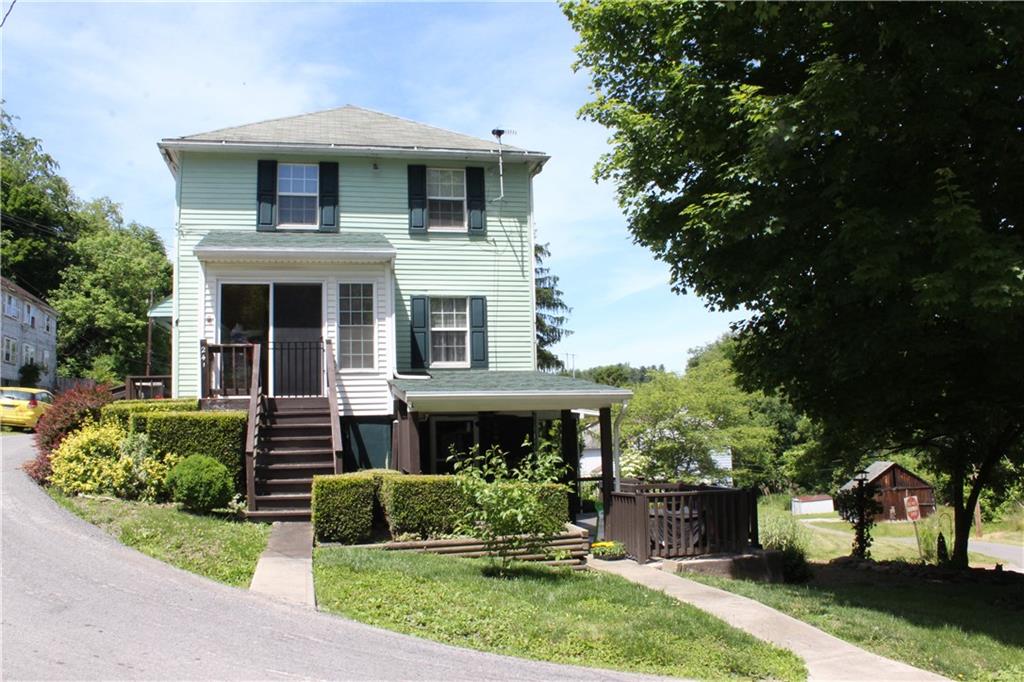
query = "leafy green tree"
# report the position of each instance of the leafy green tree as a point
(849, 174)
(103, 297)
(552, 312)
(621, 374)
(38, 221)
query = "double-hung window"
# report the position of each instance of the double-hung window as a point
(298, 191)
(356, 327)
(30, 315)
(446, 199)
(12, 307)
(449, 332)
(47, 320)
(46, 360)
(28, 354)
(10, 350)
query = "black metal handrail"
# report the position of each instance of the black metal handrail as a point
(298, 368)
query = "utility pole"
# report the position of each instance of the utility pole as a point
(149, 337)
(570, 359)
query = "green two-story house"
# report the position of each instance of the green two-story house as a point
(379, 274)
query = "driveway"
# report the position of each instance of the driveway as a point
(79, 605)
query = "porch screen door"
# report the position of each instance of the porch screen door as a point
(297, 347)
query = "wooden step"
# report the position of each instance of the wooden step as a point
(283, 501)
(297, 403)
(289, 471)
(271, 515)
(273, 486)
(274, 441)
(292, 451)
(296, 429)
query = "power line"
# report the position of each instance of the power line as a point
(8, 13)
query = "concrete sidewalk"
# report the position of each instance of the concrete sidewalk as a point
(285, 569)
(827, 657)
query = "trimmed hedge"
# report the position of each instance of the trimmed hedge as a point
(200, 484)
(122, 410)
(427, 506)
(217, 434)
(342, 507)
(554, 498)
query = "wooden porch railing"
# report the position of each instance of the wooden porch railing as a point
(332, 398)
(142, 387)
(227, 368)
(677, 520)
(257, 410)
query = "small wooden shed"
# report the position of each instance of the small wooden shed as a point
(894, 485)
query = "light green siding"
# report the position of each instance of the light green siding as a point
(218, 191)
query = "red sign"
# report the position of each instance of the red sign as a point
(913, 510)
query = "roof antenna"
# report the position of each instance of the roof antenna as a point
(498, 132)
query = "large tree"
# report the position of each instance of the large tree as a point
(552, 312)
(103, 297)
(38, 221)
(850, 175)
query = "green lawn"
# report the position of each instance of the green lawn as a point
(218, 548)
(1009, 530)
(960, 630)
(583, 618)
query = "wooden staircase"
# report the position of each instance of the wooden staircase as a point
(295, 444)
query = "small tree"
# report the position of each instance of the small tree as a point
(29, 373)
(858, 505)
(506, 507)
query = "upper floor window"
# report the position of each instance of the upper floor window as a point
(12, 306)
(30, 315)
(10, 350)
(48, 322)
(356, 328)
(298, 189)
(449, 332)
(446, 199)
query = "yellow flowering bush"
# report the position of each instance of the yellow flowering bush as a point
(105, 459)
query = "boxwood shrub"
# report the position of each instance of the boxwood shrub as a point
(122, 410)
(200, 484)
(427, 506)
(216, 434)
(342, 507)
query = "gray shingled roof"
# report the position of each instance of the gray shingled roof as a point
(250, 239)
(874, 470)
(472, 381)
(348, 126)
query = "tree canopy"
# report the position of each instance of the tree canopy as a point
(38, 209)
(849, 174)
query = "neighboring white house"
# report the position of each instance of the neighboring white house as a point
(28, 327)
(812, 504)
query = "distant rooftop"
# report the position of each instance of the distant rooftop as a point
(349, 126)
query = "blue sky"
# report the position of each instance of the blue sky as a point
(101, 83)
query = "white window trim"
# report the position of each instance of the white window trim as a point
(373, 298)
(48, 323)
(430, 340)
(465, 207)
(12, 345)
(12, 304)
(277, 191)
(25, 354)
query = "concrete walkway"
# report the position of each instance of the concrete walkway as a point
(827, 657)
(285, 569)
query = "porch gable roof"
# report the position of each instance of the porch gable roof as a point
(320, 247)
(454, 390)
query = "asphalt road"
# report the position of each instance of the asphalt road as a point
(79, 605)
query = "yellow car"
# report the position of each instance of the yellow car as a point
(22, 407)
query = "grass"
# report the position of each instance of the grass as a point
(1009, 530)
(218, 548)
(582, 618)
(960, 630)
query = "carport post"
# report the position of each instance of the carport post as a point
(571, 456)
(607, 460)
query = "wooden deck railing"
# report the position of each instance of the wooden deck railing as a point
(257, 409)
(140, 387)
(227, 368)
(677, 520)
(332, 398)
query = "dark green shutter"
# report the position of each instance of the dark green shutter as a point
(478, 332)
(328, 196)
(417, 198)
(419, 319)
(266, 195)
(476, 201)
